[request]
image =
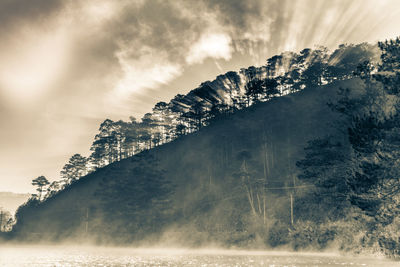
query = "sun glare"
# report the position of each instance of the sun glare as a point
(31, 66)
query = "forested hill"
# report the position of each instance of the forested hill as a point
(304, 152)
(184, 114)
(193, 185)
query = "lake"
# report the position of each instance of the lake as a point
(52, 256)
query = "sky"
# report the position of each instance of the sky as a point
(67, 65)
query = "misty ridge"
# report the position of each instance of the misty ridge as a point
(300, 153)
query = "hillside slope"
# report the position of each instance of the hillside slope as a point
(206, 194)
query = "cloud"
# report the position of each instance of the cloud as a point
(150, 70)
(17, 11)
(215, 45)
(144, 73)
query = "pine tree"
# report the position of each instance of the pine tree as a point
(41, 182)
(74, 169)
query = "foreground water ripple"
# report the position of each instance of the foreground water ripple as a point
(65, 256)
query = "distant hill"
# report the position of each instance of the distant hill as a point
(11, 201)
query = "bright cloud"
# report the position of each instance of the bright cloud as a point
(148, 71)
(215, 45)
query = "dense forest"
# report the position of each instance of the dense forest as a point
(301, 152)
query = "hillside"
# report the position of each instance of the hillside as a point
(312, 167)
(208, 196)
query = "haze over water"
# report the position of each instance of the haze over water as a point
(50, 256)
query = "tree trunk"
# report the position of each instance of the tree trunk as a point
(264, 209)
(259, 204)
(249, 196)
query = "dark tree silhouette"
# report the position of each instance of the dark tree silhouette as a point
(40, 182)
(74, 169)
(255, 89)
(53, 188)
(105, 146)
(271, 87)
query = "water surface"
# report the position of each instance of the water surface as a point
(51, 256)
